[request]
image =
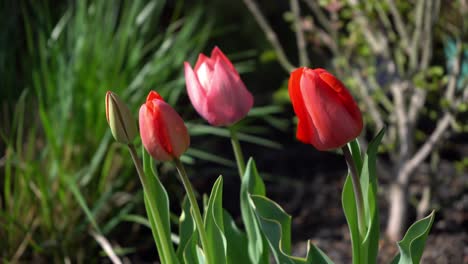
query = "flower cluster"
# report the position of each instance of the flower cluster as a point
(328, 118)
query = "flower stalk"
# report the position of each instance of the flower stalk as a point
(237, 151)
(166, 251)
(357, 190)
(195, 209)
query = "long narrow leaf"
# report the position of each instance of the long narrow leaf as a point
(252, 184)
(157, 202)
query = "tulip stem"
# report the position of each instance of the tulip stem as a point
(195, 209)
(237, 152)
(357, 190)
(166, 256)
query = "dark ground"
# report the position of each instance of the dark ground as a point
(307, 184)
(315, 205)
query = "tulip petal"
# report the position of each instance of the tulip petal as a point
(175, 132)
(203, 59)
(216, 53)
(108, 94)
(204, 70)
(305, 130)
(153, 96)
(205, 74)
(332, 121)
(150, 130)
(196, 92)
(345, 97)
(163, 132)
(229, 98)
(316, 102)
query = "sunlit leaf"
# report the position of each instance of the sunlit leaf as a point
(252, 184)
(412, 245)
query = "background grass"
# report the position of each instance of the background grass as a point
(64, 180)
(63, 176)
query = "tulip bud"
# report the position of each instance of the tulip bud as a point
(120, 119)
(328, 115)
(216, 89)
(163, 132)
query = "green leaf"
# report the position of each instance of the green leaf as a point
(350, 211)
(190, 251)
(205, 155)
(214, 224)
(267, 225)
(276, 226)
(157, 206)
(253, 184)
(412, 245)
(156, 237)
(369, 191)
(356, 153)
(200, 255)
(197, 129)
(186, 229)
(317, 256)
(237, 250)
(365, 248)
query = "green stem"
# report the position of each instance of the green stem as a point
(166, 252)
(237, 152)
(357, 190)
(195, 209)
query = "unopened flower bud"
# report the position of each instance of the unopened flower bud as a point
(121, 121)
(163, 132)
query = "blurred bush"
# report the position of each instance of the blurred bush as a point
(405, 62)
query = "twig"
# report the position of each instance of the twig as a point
(416, 103)
(402, 121)
(400, 26)
(384, 19)
(416, 39)
(24, 244)
(427, 39)
(371, 106)
(378, 45)
(320, 15)
(425, 149)
(301, 44)
(441, 126)
(270, 34)
(452, 82)
(107, 247)
(465, 93)
(425, 202)
(381, 94)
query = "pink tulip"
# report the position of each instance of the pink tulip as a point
(216, 89)
(163, 132)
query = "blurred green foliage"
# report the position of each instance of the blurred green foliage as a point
(63, 178)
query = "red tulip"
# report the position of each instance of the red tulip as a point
(216, 89)
(163, 132)
(328, 115)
